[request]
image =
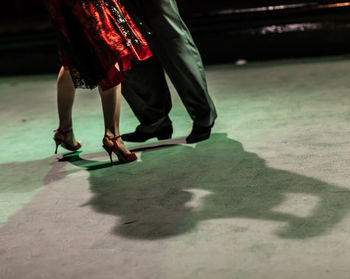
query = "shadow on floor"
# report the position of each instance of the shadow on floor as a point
(151, 197)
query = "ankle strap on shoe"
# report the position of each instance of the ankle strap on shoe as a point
(115, 137)
(59, 130)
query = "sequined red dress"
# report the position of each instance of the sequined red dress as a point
(94, 35)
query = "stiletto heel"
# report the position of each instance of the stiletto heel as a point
(60, 138)
(109, 151)
(57, 145)
(122, 156)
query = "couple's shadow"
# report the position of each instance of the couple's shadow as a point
(152, 197)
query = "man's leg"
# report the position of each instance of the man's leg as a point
(173, 46)
(146, 91)
(172, 43)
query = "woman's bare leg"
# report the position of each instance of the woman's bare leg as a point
(65, 100)
(111, 100)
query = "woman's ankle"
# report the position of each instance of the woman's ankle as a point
(111, 133)
(65, 128)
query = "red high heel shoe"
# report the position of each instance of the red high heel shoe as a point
(60, 139)
(122, 156)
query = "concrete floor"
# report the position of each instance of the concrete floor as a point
(267, 197)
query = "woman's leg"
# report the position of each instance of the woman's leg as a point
(65, 100)
(111, 100)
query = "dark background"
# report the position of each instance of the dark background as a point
(225, 30)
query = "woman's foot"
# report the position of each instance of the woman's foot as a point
(66, 139)
(115, 144)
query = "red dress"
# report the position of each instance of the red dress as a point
(94, 35)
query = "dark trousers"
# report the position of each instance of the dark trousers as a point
(145, 87)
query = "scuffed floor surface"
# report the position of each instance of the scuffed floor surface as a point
(268, 196)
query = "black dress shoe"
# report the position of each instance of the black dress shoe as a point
(199, 133)
(137, 136)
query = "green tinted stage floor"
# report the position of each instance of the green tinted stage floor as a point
(268, 196)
